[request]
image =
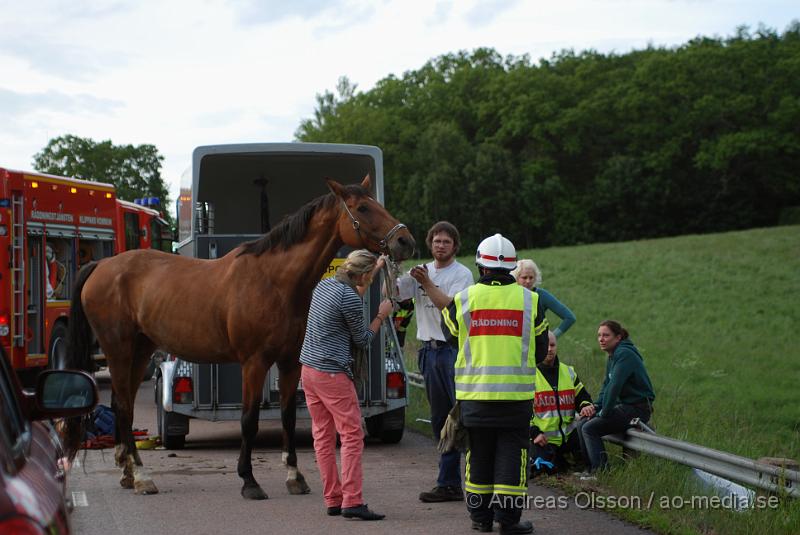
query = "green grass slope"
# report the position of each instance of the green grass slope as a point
(717, 319)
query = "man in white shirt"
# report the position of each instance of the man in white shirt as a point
(432, 286)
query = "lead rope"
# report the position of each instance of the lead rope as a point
(390, 273)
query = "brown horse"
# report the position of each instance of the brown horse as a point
(248, 307)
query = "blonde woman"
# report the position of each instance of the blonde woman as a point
(529, 275)
(335, 321)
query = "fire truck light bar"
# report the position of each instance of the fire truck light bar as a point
(147, 201)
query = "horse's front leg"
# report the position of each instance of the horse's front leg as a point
(288, 379)
(253, 373)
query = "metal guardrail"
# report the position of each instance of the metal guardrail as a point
(415, 379)
(741, 469)
(761, 475)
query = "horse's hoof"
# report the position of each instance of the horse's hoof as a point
(298, 486)
(253, 492)
(145, 487)
(126, 482)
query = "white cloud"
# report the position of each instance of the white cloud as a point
(483, 13)
(13, 104)
(183, 73)
(272, 11)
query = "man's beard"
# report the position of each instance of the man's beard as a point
(445, 259)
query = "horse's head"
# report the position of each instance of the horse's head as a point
(364, 223)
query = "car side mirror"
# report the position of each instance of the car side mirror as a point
(64, 393)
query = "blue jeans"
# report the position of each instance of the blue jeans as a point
(437, 365)
(591, 432)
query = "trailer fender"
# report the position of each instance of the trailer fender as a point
(167, 375)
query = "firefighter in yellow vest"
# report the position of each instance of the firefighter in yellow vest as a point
(560, 395)
(501, 334)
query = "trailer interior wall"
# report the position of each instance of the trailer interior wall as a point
(230, 182)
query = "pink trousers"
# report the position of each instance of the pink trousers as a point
(333, 404)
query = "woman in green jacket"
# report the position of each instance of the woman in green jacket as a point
(627, 393)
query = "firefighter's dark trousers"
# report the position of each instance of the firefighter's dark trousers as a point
(496, 474)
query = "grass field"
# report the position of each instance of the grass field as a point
(717, 320)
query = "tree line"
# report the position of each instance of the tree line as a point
(134, 170)
(585, 147)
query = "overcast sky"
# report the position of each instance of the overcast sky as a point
(183, 73)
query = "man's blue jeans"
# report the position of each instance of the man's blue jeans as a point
(437, 365)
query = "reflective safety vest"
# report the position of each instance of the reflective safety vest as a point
(495, 326)
(554, 410)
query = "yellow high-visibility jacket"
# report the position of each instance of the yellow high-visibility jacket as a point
(496, 326)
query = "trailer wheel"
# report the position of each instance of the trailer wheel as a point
(388, 426)
(392, 436)
(57, 350)
(164, 420)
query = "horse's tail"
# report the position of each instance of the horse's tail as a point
(80, 332)
(79, 357)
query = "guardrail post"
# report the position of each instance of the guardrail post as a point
(778, 480)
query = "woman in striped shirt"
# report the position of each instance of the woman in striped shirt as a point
(335, 321)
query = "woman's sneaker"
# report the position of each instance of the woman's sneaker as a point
(442, 494)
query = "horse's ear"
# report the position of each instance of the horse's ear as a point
(367, 183)
(335, 187)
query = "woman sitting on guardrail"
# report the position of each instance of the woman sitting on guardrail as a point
(627, 393)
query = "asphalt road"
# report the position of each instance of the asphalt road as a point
(199, 489)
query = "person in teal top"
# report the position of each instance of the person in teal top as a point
(529, 275)
(627, 393)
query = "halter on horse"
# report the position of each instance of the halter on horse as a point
(249, 306)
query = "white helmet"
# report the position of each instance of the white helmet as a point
(48, 253)
(496, 252)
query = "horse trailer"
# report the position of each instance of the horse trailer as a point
(237, 193)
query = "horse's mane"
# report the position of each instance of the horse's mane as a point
(292, 229)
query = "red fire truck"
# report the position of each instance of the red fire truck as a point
(140, 227)
(49, 227)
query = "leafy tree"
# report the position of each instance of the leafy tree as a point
(585, 146)
(326, 110)
(135, 171)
